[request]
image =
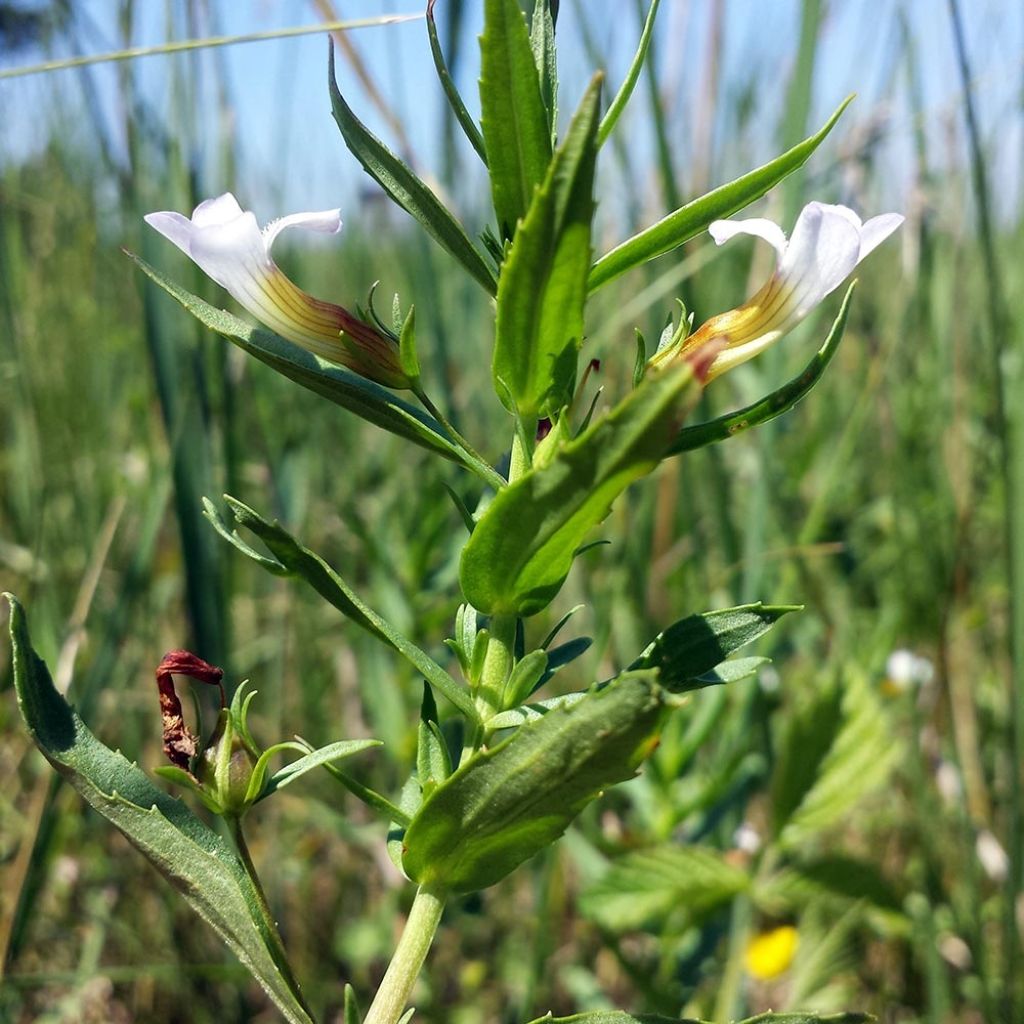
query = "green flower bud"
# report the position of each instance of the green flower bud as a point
(225, 767)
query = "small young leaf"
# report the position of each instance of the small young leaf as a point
(523, 546)
(509, 802)
(531, 712)
(198, 862)
(351, 1009)
(525, 678)
(314, 759)
(646, 886)
(517, 134)
(692, 647)
(693, 218)
(405, 188)
(433, 764)
(352, 392)
(307, 565)
(775, 404)
(543, 284)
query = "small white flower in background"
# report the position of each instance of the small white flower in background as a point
(905, 670)
(747, 838)
(226, 242)
(826, 245)
(992, 856)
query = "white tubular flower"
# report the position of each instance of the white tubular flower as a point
(226, 242)
(827, 244)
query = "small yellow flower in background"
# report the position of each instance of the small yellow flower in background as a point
(227, 243)
(771, 953)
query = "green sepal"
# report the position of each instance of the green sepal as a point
(307, 565)
(405, 187)
(516, 130)
(543, 284)
(358, 395)
(407, 357)
(523, 546)
(455, 101)
(775, 404)
(693, 218)
(507, 803)
(691, 648)
(200, 865)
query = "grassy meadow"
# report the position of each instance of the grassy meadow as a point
(877, 814)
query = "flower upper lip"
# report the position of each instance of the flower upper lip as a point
(227, 243)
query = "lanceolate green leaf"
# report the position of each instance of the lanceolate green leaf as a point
(455, 101)
(775, 404)
(692, 647)
(647, 886)
(195, 860)
(350, 391)
(543, 285)
(618, 104)
(509, 802)
(523, 546)
(693, 218)
(307, 565)
(515, 125)
(405, 187)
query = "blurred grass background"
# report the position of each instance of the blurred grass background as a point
(887, 817)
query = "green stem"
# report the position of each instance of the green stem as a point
(402, 972)
(273, 938)
(474, 460)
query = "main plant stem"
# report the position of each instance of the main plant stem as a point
(393, 994)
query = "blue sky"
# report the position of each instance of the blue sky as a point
(292, 156)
